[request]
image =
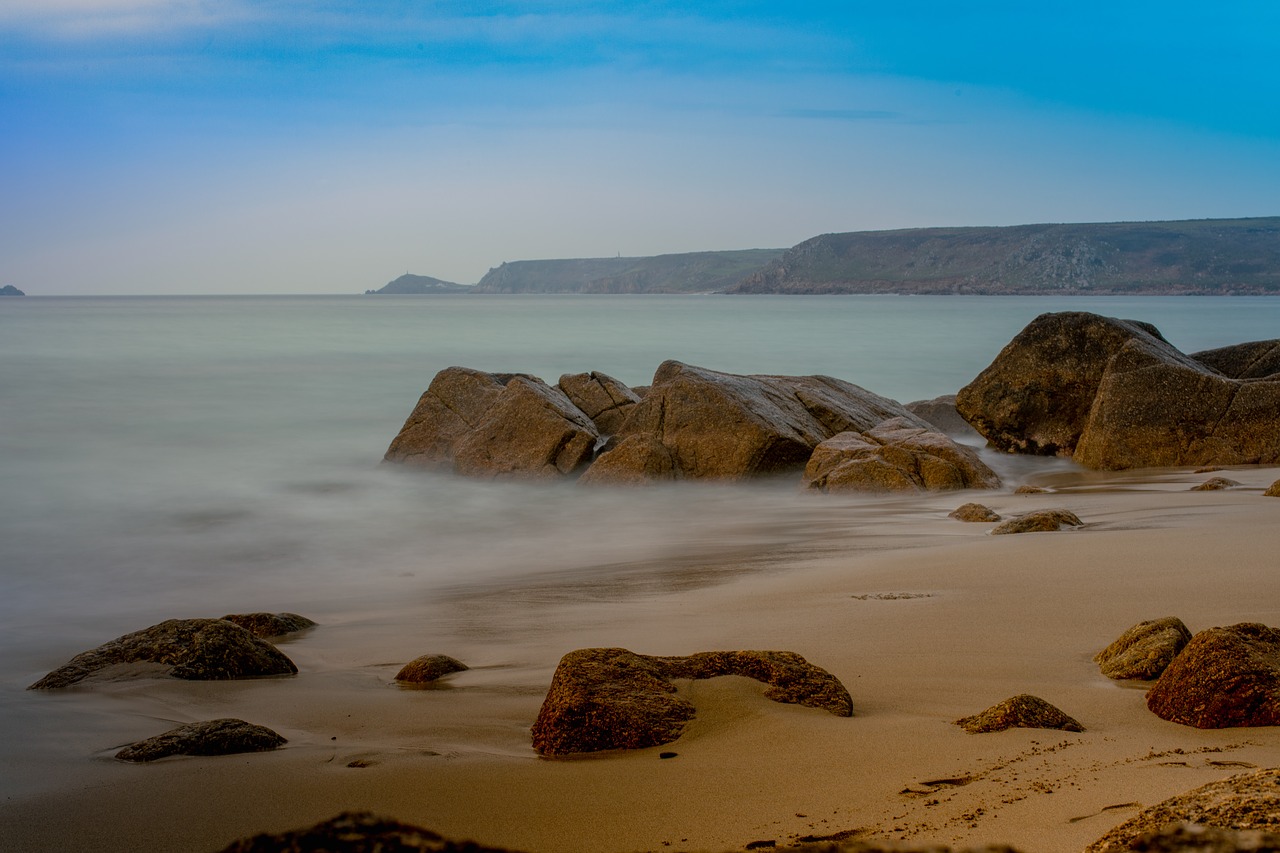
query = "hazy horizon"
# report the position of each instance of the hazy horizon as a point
(185, 146)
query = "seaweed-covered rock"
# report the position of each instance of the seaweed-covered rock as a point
(211, 737)
(1215, 484)
(1039, 521)
(1145, 650)
(1239, 813)
(267, 625)
(1225, 677)
(195, 649)
(603, 699)
(358, 832)
(427, 668)
(896, 455)
(973, 512)
(600, 397)
(1022, 711)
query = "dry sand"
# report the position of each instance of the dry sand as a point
(925, 620)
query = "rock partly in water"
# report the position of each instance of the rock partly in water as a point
(1039, 521)
(428, 668)
(973, 512)
(495, 425)
(195, 649)
(358, 832)
(896, 456)
(1023, 711)
(941, 413)
(696, 423)
(1215, 484)
(1239, 813)
(1028, 489)
(10, 290)
(211, 737)
(600, 397)
(267, 625)
(603, 699)
(1145, 650)
(1225, 677)
(1273, 491)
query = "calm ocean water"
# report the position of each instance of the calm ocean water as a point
(188, 456)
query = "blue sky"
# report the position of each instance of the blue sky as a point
(235, 146)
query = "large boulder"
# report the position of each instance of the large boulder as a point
(194, 649)
(1254, 360)
(1225, 677)
(1145, 650)
(227, 736)
(896, 456)
(603, 699)
(600, 397)
(495, 425)
(695, 423)
(1238, 813)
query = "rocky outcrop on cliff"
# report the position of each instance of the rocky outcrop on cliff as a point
(688, 272)
(1113, 394)
(896, 456)
(410, 284)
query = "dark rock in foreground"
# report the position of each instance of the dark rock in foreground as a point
(358, 832)
(268, 625)
(196, 649)
(1239, 813)
(1023, 711)
(895, 456)
(1040, 521)
(973, 512)
(211, 737)
(603, 699)
(428, 668)
(1225, 677)
(1145, 650)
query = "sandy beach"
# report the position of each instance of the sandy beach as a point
(924, 619)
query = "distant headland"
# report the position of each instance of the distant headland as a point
(1185, 257)
(10, 290)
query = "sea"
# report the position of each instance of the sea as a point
(186, 456)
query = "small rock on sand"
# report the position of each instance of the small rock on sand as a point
(1145, 650)
(1029, 489)
(1040, 520)
(1273, 491)
(1023, 711)
(211, 737)
(358, 831)
(973, 512)
(428, 668)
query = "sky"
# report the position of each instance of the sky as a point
(281, 146)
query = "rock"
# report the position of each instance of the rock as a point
(600, 397)
(1145, 650)
(941, 413)
(212, 737)
(720, 426)
(1036, 396)
(427, 668)
(358, 832)
(1028, 489)
(1041, 520)
(1023, 711)
(270, 624)
(1113, 394)
(895, 456)
(10, 290)
(491, 425)
(973, 512)
(1238, 813)
(603, 699)
(1273, 491)
(1254, 360)
(1215, 484)
(1225, 677)
(196, 649)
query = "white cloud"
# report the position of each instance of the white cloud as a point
(88, 19)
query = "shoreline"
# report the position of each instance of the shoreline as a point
(992, 617)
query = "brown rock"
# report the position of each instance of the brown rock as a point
(211, 737)
(1036, 396)
(1273, 491)
(1028, 489)
(267, 625)
(603, 699)
(1023, 711)
(941, 413)
(895, 456)
(1038, 521)
(1239, 813)
(1145, 650)
(1215, 484)
(1254, 360)
(633, 461)
(973, 512)
(1225, 677)
(358, 832)
(721, 426)
(196, 649)
(454, 404)
(600, 397)
(427, 668)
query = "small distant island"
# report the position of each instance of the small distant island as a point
(1174, 258)
(10, 290)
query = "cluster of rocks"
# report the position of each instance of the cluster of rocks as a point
(690, 423)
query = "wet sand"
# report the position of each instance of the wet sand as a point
(923, 618)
